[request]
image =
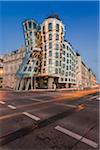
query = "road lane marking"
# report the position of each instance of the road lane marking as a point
(70, 106)
(1, 102)
(93, 97)
(10, 115)
(77, 136)
(89, 142)
(12, 107)
(36, 100)
(98, 98)
(19, 113)
(31, 116)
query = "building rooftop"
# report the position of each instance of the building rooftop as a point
(54, 16)
(77, 54)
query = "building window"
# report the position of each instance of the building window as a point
(28, 43)
(50, 27)
(25, 69)
(25, 26)
(57, 27)
(44, 63)
(50, 61)
(44, 38)
(69, 73)
(43, 70)
(61, 79)
(50, 36)
(63, 52)
(65, 79)
(37, 63)
(50, 53)
(67, 54)
(57, 46)
(43, 29)
(45, 47)
(64, 59)
(60, 55)
(34, 25)
(64, 46)
(27, 35)
(35, 34)
(30, 24)
(57, 36)
(63, 72)
(29, 69)
(61, 30)
(66, 74)
(56, 62)
(66, 67)
(50, 45)
(68, 61)
(30, 33)
(56, 70)
(35, 69)
(56, 54)
(60, 63)
(61, 47)
(60, 70)
(67, 48)
(44, 55)
(63, 65)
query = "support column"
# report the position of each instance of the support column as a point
(35, 83)
(66, 85)
(21, 85)
(50, 83)
(17, 84)
(31, 82)
(25, 81)
(27, 85)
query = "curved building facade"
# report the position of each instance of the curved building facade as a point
(30, 28)
(30, 66)
(52, 31)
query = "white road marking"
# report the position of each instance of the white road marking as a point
(1, 102)
(12, 107)
(93, 97)
(31, 116)
(98, 98)
(36, 100)
(67, 105)
(77, 136)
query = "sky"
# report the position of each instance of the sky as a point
(81, 20)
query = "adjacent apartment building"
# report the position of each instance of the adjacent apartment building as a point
(85, 78)
(48, 61)
(11, 63)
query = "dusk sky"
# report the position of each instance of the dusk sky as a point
(81, 20)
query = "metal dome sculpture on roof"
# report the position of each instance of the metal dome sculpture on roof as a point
(54, 16)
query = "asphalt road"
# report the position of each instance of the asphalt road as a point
(47, 121)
